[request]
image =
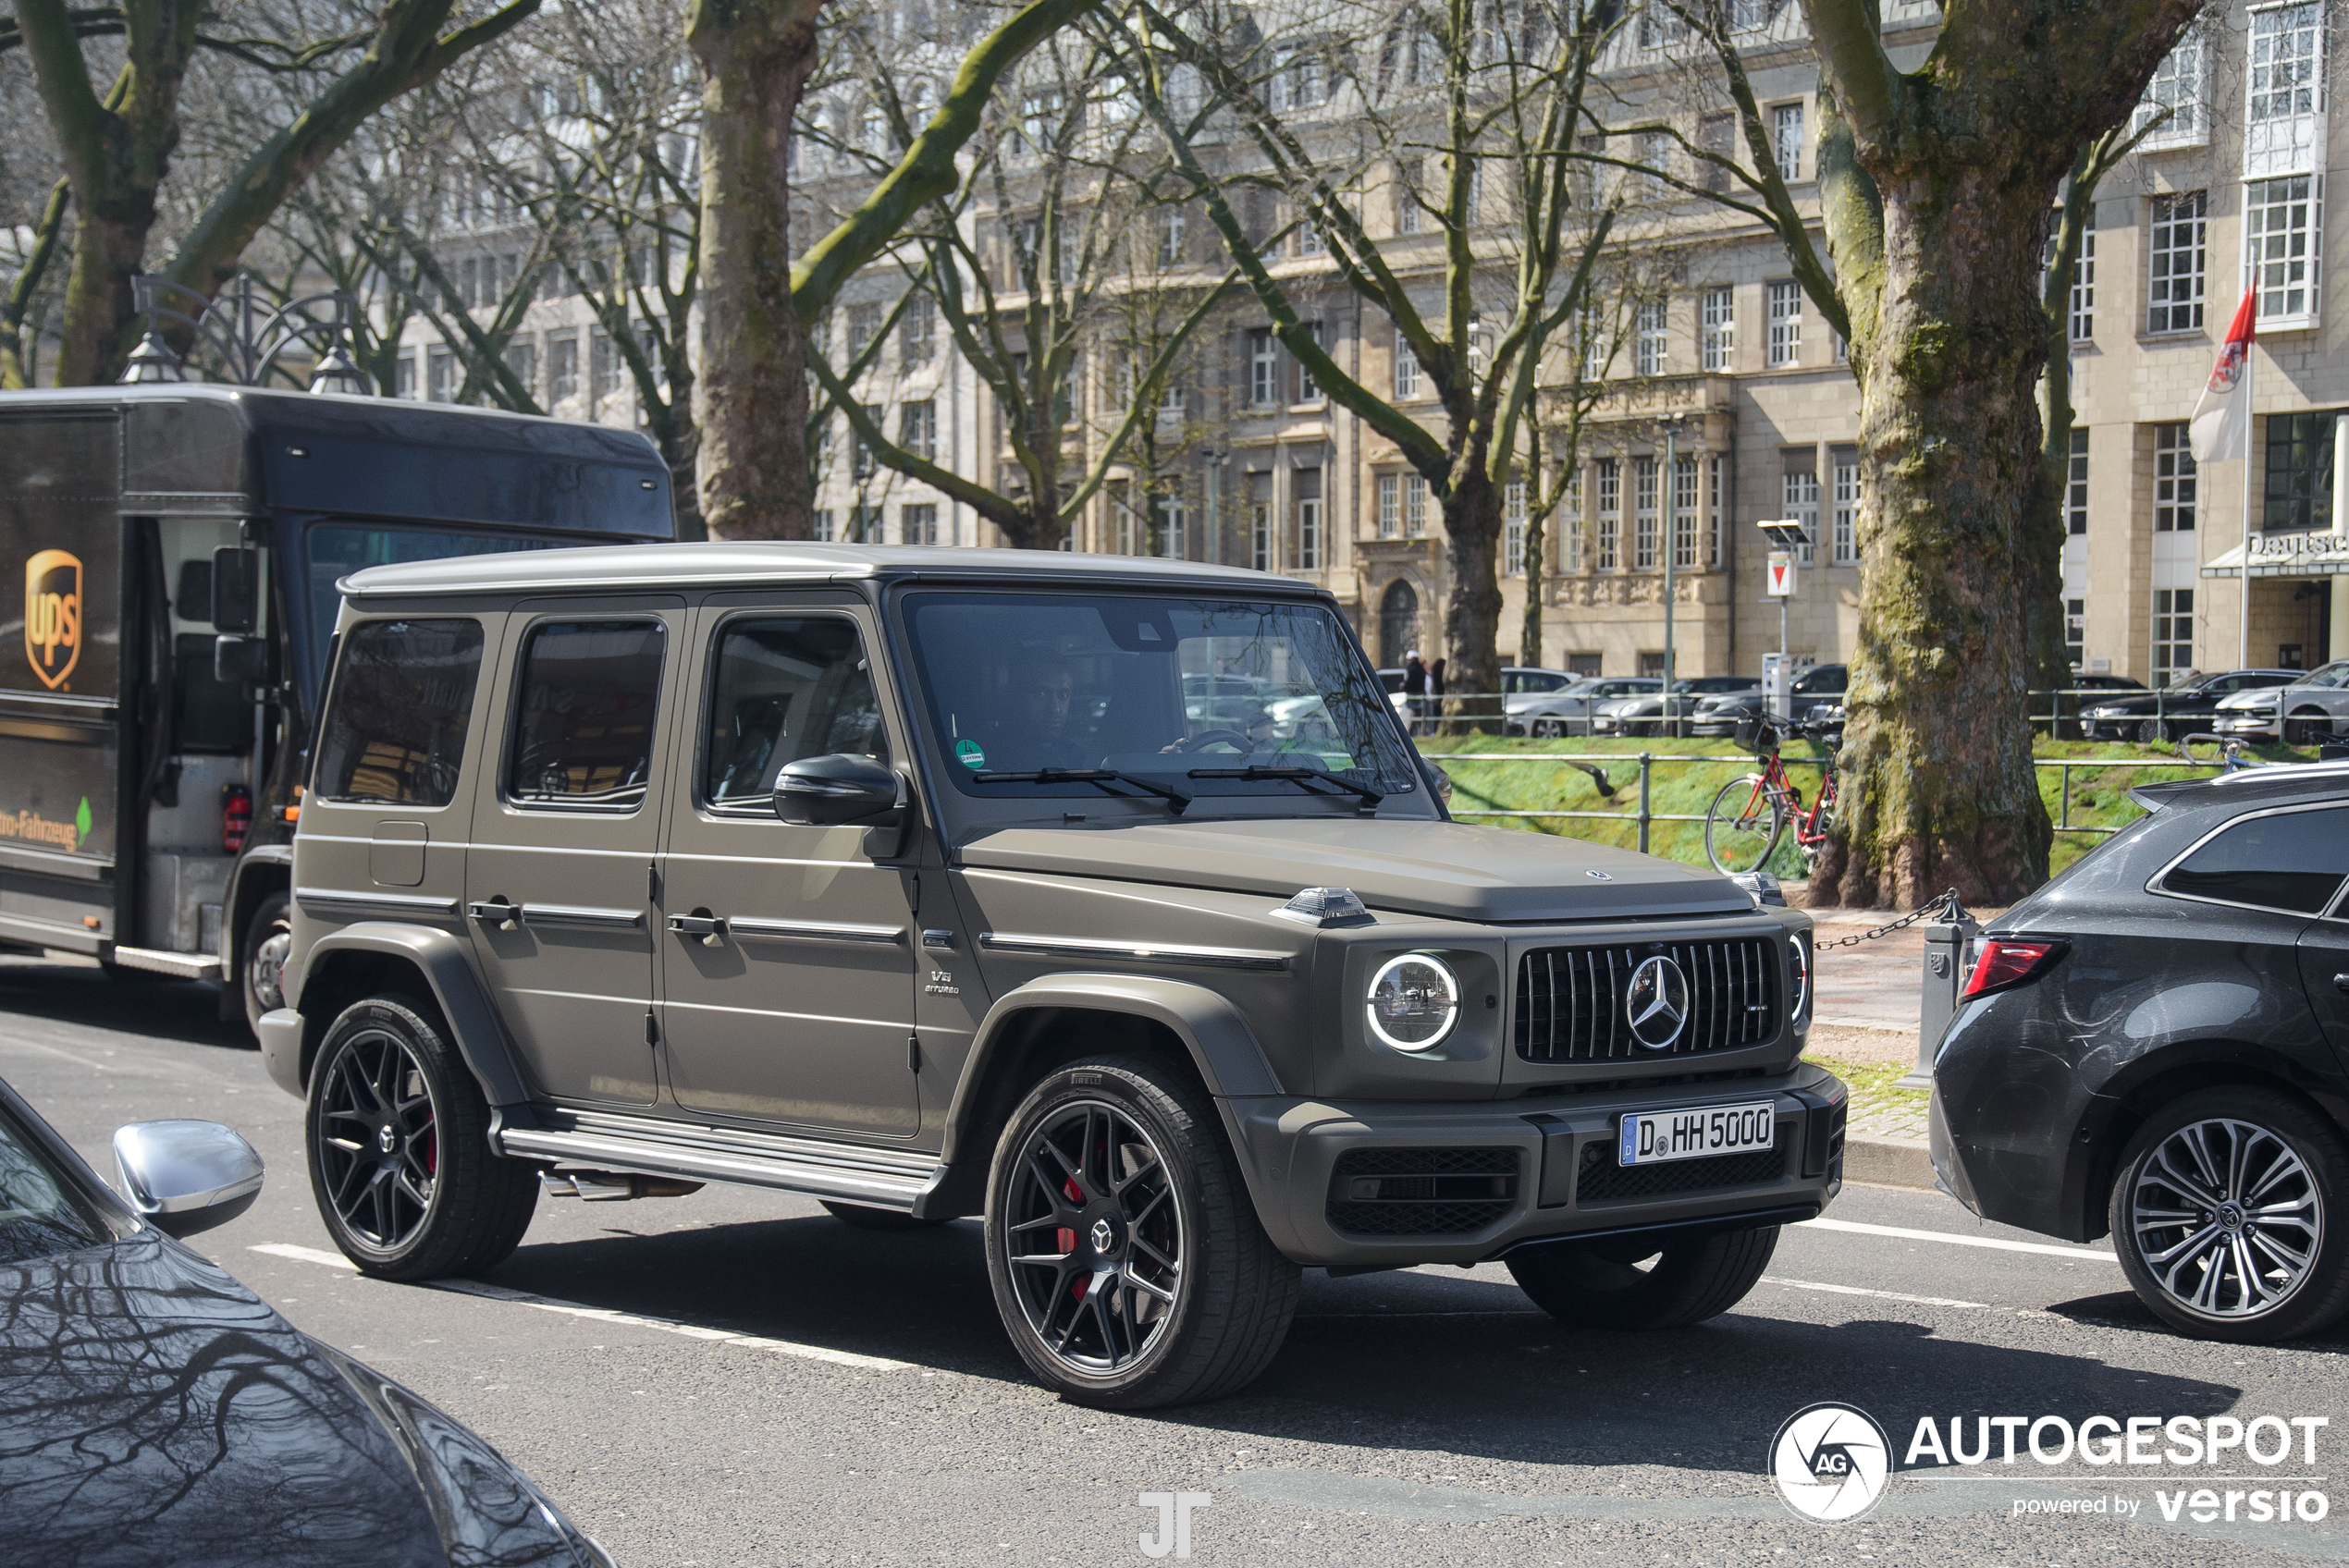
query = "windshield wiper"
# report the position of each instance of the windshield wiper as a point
(1370, 798)
(1175, 800)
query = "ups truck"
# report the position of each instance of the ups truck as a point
(179, 545)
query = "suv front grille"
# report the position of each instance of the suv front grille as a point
(1603, 1180)
(1570, 1001)
(1421, 1192)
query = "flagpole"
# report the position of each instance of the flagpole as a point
(2250, 423)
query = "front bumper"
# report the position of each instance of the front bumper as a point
(2260, 724)
(1478, 1179)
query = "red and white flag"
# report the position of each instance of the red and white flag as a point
(2222, 427)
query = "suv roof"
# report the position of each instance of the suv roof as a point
(641, 566)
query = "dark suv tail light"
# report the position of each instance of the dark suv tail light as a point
(2000, 964)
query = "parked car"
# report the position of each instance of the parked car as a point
(2188, 708)
(1816, 690)
(1519, 684)
(898, 878)
(2308, 708)
(2150, 1045)
(1568, 710)
(1645, 715)
(156, 1412)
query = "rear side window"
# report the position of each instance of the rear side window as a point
(782, 690)
(583, 720)
(2289, 861)
(403, 696)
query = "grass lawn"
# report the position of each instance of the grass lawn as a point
(1492, 773)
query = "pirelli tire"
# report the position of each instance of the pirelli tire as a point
(1126, 1255)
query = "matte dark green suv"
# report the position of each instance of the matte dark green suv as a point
(1104, 899)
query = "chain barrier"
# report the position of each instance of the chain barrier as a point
(1943, 904)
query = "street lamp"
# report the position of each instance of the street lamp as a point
(245, 334)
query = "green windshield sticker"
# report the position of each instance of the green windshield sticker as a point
(970, 754)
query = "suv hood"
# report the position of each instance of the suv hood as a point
(1446, 869)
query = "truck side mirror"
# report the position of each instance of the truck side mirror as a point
(236, 589)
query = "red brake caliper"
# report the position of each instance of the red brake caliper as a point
(432, 1149)
(1065, 1238)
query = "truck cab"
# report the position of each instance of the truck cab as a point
(179, 546)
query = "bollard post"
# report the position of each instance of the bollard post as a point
(1946, 943)
(2063, 782)
(1644, 759)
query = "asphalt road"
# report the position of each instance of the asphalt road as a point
(736, 1379)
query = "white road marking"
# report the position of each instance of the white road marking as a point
(1880, 1295)
(1998, 1243)
(606, 1315)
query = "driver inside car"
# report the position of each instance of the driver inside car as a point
(1039, 734)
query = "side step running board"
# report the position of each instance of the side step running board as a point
(179, 966)
(893, 1178)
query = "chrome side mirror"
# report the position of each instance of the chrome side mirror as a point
(184, 1177)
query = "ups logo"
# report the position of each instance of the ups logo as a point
(52, 614)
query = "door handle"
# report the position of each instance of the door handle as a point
(2340, 982)
(711, 928)
(495, 911)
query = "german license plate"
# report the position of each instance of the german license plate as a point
(1651, 1136)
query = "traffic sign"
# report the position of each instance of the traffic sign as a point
(1781, 579)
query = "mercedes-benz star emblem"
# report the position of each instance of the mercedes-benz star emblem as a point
(1103, 1237)
(1656, 1005)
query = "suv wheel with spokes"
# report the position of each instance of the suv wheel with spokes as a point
(1126, 1258)
(399, 1144)
(2227, 1215)
(269, 941)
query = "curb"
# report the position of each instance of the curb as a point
(1888, 1162)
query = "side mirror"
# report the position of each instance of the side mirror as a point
(184, 1177)
(236, 589)
(236, 659)
(830, 790)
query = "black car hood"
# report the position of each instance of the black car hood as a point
(153, 1411)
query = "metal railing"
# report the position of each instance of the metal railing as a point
(1645, 816)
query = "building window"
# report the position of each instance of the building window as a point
(2075, 632)
(1718, 311)
(563, 366)
(403, 376)
(1513, 529)
(2173, 480)
(2287, 60)
(2175, 284)
(521, 362)
(1169, 525)
(919, 525)
(1585, 664)
(2182, 85)
(1799, 497)
(1259, 522)
(1716, 505)
(820, 525)
(1684, 514)
(2076, 486)
(605, 361)
(1569, 522)
(1309, 518)
(1643, 514)
(1171, 223)
(918, 331)
(2281, 221)
(1414, 505)
(1407, 199)
(2083, 282)
(1264, 368)
(1847, 507)
(864, 526)
(2172, 634)
(1406, 367)
(1786, 322)
(917, 428)
(1608, 483)
(863, 325)
(2299, 489)
(861, 464)
(1390, 505)
(441, 371)
(1786, 141)
(1648, 350)
(1308, 389)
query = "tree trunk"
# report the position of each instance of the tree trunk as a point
(751, 400)
(2043, 528)
(1529, 639)
(1939, 790)
(1472, 613)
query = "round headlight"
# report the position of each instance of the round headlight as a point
(1798, 955)
(1414, 1001)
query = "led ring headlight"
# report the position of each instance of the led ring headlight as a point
(1414, 1001)
(1799, 956)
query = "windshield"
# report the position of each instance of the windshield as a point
(337, 549)
(1159, 689)
(41, 1215)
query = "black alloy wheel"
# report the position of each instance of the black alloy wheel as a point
(2226, 1216)
(1126, 1259)
(400, 1159)
(2149, 732)
(268, 943)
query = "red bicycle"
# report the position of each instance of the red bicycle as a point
(1749, 814)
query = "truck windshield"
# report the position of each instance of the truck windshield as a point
(337, 549)
(1204, 697)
